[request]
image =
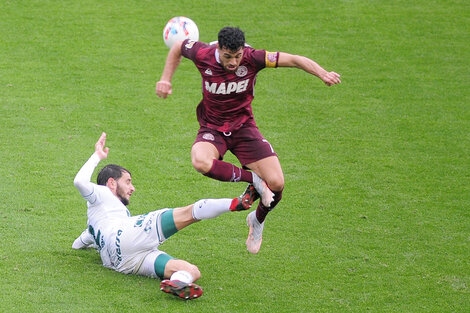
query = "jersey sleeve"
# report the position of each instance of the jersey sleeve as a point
(271, 58)
(82, 180)
(263, 58)
(189, 48)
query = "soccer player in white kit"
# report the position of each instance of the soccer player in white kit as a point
(129, 244)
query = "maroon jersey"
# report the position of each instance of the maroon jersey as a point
(227, 97)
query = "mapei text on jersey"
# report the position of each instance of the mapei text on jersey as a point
(226, 89)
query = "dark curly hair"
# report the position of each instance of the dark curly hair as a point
(231, 38)
(110, 170)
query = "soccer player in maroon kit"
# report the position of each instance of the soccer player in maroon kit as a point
(228, 69)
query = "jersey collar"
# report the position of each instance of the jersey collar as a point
(217, 56)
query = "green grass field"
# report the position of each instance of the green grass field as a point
(375, 215)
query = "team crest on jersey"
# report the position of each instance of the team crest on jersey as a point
(241, 71)
(208, 72)
(190, 44)
(208, 136)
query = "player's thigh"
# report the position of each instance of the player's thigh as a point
(203, 155)
(204, 150)
(209, 144)
(270, 170)
(143, 233)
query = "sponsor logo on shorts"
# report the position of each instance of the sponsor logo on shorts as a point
(208, 136)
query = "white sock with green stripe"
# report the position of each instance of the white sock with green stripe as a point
(209, 208)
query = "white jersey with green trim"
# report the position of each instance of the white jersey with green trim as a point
(105, 210)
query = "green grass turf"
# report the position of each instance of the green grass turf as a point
(375, 215)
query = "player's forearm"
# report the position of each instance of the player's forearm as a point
(311, 67)
(301, 62)
(172, 61)
(82, 180)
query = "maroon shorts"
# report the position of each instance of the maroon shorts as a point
(247, 143)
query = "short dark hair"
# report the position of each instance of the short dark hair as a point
(231, 38)
(110, 170)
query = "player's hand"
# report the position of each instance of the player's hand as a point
(331, 78)
(163, 89)
(100, 149)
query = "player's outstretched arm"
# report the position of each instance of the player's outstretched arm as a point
(100, 148)
(82, 180)
(163, 86)
(310, 66)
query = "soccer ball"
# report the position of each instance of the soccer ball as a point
(179, 28)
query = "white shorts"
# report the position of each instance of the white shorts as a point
(134, 250)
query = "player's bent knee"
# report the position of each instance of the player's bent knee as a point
(195, 272)
(175, 265)
(276, 184)
(202, 165)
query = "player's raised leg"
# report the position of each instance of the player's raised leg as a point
(205, 159)
(269, 169)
